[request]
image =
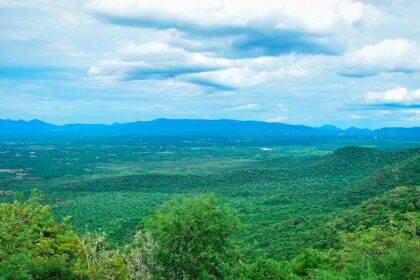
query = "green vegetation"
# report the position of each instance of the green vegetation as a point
(141, 209)
(195, 238)
(33, 245)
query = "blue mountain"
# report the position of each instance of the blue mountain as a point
(197, 127)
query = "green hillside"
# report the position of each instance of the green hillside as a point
(378, 211)
(196, 238)
(292, 235)
(378, 239)
(283, 195)
(406, 173)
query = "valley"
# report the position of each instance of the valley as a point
(285, 195)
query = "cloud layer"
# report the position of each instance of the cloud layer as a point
(400, 96)
(232, 15)
(389, 55)
(269, 27)
(159, 61)
(345, 62)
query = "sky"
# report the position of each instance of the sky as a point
(340, 62)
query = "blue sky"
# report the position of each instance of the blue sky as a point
(341, 62)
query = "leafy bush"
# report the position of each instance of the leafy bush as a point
(196, 237)
(33, 244)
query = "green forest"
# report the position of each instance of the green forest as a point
(208, 209)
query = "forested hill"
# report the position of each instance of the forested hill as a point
(376, 240)
(188, 127)
(406, 173)
(299, 212)
(327, 186)
(377, 211)
(358, 159)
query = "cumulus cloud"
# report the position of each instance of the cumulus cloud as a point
(154, 60)
(267, 26)
(173, 53)
(308, 15)
(246, 77)
(396, 96)
(390, 55)
(158, 61)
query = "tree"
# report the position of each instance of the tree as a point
(390, 251)
(309, 260)
(266, 269)
(101, 262)
(196, 237)
(33, 244)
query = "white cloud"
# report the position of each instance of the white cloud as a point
(398, 96)
(303, 15)
(157, 60)
(181, 50)
(390, 55)
(158, 53)
(154, 60)
(247, 107)
(244, 76)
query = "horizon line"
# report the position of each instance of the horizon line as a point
(202, 119)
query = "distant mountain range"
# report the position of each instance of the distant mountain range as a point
(197, 127)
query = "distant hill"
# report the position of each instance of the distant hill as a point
(330, 128)
(403, 174)
(366, 202)
(31, 127)
(376, 210)
(194, 127)
(349, 159)
(359, 160)
(386, 170)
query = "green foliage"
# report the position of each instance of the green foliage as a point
(196, 237)
(265, 269)
(283, 195)
(378, 211)
(289, 198)
(384, 244)
(406, 173)
(141, 255)
(308, 261)
(374, 254)
(100, 262)
(33, 244)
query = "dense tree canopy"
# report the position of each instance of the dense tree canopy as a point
(196, 238)
(283, 194)
(33, 244)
